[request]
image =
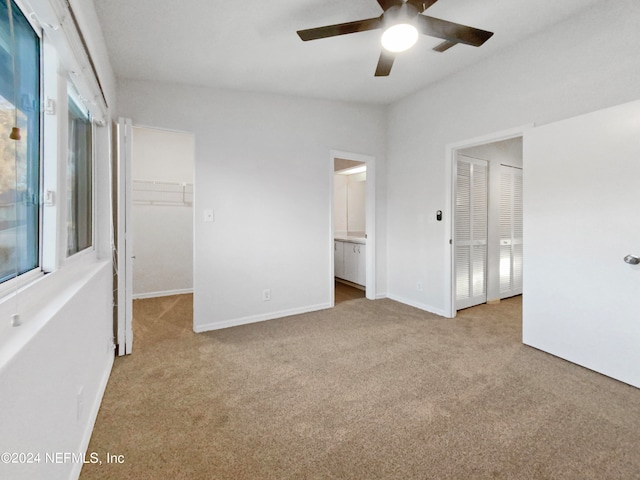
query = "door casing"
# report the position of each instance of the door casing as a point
(450, 192)
(370, 219)
(124, 245)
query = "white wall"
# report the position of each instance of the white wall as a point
(583, 64)
(349, 204)
(162, 234)
(356, 203)
(53, 382)
(263, 165)
(64, 345)
(506, 152)
(340, 204)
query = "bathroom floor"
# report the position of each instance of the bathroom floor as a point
(346, 292)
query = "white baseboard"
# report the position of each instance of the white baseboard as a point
(207, 327)
(166, 293)
(380, 296)
(421, 306)
(93, 415)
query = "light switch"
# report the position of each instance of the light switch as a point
(49, 198)
(50, 106)
(208, 215)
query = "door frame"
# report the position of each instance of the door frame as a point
(450, 193)
(124, 240)
(124, 219)
(370, 220)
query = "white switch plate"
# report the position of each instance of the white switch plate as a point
(50, 106)
(49, 198)
(208, 215)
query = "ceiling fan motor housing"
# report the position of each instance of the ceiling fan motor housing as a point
(405, 13)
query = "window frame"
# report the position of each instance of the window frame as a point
(74, 96)
(20, 280)
(56, 81)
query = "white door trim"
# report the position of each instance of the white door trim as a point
(450, 192)
(370, 219)
(124, 241)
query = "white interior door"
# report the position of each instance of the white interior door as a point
(124, 238)
(510, 231)
(470, 236)
(581, 204)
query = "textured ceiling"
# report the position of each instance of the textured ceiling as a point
(252, 44)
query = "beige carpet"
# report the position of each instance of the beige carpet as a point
(367, 390)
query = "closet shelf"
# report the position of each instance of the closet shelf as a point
(161, 193)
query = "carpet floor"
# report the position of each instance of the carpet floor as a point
(366, 390)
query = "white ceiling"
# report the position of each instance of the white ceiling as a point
(252, 44)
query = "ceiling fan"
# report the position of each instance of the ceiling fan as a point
(403, 21)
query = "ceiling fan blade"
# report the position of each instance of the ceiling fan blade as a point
(387, 4)
(421, 5)
(446, 45)
(452, 32)
(340, 29)
(385, 63)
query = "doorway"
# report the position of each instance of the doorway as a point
(486, 220)
(153, 197)
(162, 168)
(352, 221)
(349, 229)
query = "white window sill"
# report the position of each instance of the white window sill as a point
(37, 302)
(10, 287)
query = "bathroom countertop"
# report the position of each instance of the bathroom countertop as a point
(350, 239)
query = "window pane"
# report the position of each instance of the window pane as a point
(19, 159)
(79, 175)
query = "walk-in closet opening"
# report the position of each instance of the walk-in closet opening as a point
(488, 235)
(162, 172)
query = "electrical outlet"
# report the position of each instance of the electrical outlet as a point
(419, 286)
(266, 295)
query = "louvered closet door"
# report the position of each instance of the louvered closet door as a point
(510, 231)
(471, 232)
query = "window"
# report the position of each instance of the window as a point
(19, 159)
(79, 178)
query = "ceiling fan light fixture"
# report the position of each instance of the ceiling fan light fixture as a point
(399, 37)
